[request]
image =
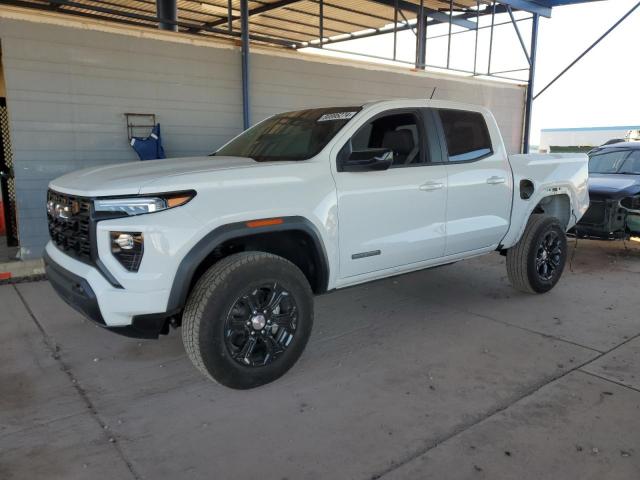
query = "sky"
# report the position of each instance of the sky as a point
(603, 89)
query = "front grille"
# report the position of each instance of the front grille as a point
(69, 220)
(595, 214)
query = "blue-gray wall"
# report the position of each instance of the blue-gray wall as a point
(68, 88)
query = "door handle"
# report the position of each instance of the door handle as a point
(430, 186)
(495, 180)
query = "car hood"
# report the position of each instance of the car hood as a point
(130, 177)
(613, 185)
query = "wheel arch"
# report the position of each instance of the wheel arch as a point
(554, 203)
(295, 238)
(557, 205)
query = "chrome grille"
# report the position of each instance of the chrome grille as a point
(69, 220)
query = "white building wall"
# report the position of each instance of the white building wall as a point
(577, 137)
(69, 82)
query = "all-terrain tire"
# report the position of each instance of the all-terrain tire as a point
(215, 295)
(524, 257)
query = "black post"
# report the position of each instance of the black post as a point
(532, 74)
(395, 30)
(421, 38)
(244, 26)
(321, 21)
(167, 12)
(493, 22)
(449, 36)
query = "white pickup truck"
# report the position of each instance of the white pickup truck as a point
(233, 246)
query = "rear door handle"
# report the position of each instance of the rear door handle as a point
(495, 180)
(430, 186)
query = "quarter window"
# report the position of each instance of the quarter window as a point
(467, 135)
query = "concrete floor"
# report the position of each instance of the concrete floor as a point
(441, 374)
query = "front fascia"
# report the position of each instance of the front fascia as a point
(288, 189)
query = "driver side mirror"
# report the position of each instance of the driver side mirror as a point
(372, 159)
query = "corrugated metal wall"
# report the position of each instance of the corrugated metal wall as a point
(68, 88)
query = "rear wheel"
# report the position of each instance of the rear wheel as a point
(248, 319)
(536, 262)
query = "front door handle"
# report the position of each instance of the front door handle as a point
(430, 186)
(495, 180)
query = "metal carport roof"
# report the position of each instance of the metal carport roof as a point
(290, 23)
(296, 24)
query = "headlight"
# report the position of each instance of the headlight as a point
(142, 205)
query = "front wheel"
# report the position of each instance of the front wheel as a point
(536, 262)
(248, 319)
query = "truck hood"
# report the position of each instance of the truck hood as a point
(613, 186)
(129, 178)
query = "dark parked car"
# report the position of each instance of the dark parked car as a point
(614, 189)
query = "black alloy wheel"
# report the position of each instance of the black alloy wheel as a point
(261, 325)
(248, 319)
(549, 255)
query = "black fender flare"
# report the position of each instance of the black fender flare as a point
(204, 247)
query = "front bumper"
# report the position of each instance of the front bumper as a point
(77, 291)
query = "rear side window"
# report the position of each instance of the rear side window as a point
(467, 135)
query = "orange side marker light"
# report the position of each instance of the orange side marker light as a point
(266, 222)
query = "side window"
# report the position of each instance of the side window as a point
(609, 162)
(466, 133)
(632, 164)
(398, 132)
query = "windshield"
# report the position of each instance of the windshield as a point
(609, 162)
(290, 136)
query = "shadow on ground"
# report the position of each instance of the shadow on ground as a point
(447, 373)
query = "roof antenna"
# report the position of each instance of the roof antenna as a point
(432, 93)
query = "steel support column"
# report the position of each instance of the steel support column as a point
(421, 37)
(532, 73)
(244, 27)
(167, 12)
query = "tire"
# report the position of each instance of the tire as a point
(526, 259)
(231, 324)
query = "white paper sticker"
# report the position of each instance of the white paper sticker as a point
(328, 117)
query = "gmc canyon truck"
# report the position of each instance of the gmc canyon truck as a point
(233, 246)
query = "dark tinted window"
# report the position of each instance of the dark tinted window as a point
(290, 136)
(609, 162)
(466, 133)
(398, 132)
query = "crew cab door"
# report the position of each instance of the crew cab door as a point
(394, 217)
(479, 193)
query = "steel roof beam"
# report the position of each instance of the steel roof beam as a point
(403, 26)
(528, 6)
(429, 12)
(154, 19)
(256, 11)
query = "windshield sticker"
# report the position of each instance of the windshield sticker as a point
(328, 117)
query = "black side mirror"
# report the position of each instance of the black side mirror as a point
(372, 159)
